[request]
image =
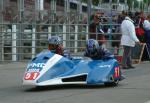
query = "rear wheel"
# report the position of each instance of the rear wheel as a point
(115, 83)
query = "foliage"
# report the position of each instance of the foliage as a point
(94, 2)
(129, 2)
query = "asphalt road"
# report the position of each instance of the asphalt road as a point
(134, 89)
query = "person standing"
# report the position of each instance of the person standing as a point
(146, 26)
(139, 20)
(128, 41)
(95, 28)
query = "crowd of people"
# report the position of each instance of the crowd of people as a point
(106, 23)
(134, 28)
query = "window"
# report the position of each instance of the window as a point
(84, 8)
(73, 6)
(13, 0)
(60, 2)
(122, 1)
(47, 1)
(105, 1)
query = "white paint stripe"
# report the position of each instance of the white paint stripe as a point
(52, 61)
(148, 101)
(74, 75)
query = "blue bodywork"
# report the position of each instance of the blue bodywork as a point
(75, 70)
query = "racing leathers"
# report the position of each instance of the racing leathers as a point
(99, 54)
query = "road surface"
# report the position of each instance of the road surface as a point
(134, 89)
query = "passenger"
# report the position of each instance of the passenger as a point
(55, 45)
(96, 52)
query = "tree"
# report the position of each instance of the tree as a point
(94, 2)
(129, 2)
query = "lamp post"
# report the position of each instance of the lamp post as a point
(132, 6)
(126, 5)
(89, 12)
(139, 4)
(89, 9)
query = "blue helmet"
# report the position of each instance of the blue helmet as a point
(92, 46)
(55, 40)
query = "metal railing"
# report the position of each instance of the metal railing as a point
(27, 32)
(24, 44)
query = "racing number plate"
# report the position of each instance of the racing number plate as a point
(117, 72)
(31, 75)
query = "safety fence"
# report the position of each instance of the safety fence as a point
(26, 25)
(22, 41)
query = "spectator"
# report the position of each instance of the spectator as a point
(121, 17)
(128, 41)
(94, 51)
(95, 28)
(139, 20)
(146, 26)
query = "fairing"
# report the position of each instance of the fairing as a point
(52, 69)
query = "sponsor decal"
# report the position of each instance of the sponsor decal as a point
(36, 65)
(33, 71)
(105, 66)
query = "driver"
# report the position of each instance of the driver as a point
(55, 45)
(95, 51)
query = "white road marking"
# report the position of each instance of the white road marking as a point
(148, 101)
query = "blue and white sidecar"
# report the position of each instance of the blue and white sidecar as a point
(48, 68)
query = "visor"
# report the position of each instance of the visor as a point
(52, 47)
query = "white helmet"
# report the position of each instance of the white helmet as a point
(55, 40)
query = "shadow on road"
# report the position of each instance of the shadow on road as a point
(63, 87)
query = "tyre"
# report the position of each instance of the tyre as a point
(115, 83)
